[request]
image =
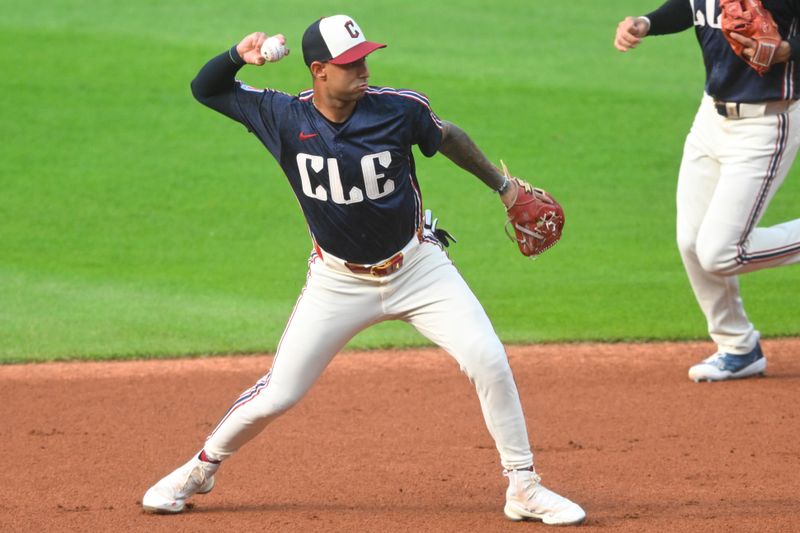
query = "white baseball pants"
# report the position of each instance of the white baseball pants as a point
(428, 293)
(730, 171)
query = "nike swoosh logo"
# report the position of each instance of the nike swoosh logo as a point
(306, 136)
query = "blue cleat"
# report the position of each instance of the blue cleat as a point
(722, 366)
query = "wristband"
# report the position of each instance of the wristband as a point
(235, 57)
(504, 186)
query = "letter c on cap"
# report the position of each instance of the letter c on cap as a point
(350, 27)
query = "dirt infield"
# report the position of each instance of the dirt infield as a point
(394, 441)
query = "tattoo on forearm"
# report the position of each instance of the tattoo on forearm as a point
(461, 150)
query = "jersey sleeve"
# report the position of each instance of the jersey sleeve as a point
(259, 110)
(427, 126)
(672, 17)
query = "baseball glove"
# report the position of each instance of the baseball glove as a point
(535, 216)
(752, 20)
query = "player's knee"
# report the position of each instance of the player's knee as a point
(717, 258)
(687, 240)
(494, 378)
(488, 363)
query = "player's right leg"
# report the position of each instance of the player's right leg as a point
(330, 311)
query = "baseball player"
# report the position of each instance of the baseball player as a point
(741, 146)
(345, 147)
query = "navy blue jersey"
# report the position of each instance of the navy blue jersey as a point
(355, 181)
(728, 77)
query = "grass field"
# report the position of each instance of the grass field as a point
(136, 223)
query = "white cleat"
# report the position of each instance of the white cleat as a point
(527, 499)
(169, 495)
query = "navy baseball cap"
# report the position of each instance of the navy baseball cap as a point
(336, 39)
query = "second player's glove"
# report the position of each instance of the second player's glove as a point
(536, 218)
(752, 20)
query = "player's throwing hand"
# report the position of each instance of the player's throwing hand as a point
(250, 48)
(630, 33)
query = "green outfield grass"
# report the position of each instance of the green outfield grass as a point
(136, 223)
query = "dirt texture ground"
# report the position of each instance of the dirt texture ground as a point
(394, 441)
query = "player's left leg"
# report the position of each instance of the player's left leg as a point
(433, 297)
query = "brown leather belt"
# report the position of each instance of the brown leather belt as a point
(752, 110)
(390, 266)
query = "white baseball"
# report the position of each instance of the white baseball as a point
(273, 50)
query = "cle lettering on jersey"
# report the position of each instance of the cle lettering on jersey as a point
(370, 177)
